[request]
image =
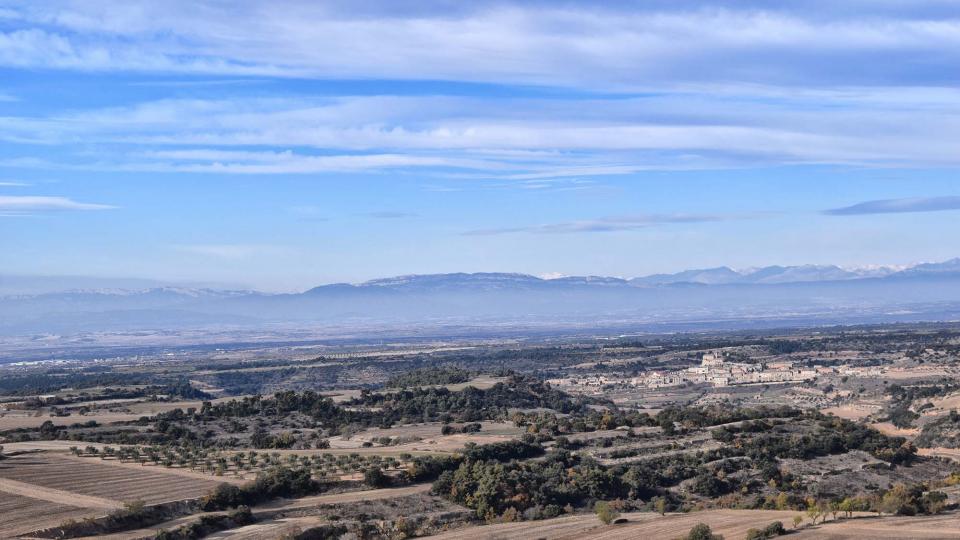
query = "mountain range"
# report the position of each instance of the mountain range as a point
(810, 294)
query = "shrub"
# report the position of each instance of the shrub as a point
(323, 532)
(701, 531)
(375, 478)
(774, 529)
(605, 512)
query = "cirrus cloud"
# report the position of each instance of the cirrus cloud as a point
(27, 204)
(607, 224)
(898, 206)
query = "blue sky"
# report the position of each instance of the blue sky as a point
(285, 144)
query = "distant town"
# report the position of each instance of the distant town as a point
(715, 369)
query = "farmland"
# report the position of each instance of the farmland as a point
(730, 523)
(90, 478)
(19, 514)
(453, 444)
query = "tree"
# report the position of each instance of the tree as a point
(846, 507)
(375, 478)
(774, 529)
(660, 505)
(813, 511)
(899, 500)
(797, 520)
(605, 512)
(702, 531)
(933, 502)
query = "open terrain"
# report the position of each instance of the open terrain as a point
(20, 514)
(112, 486)
(498, 439)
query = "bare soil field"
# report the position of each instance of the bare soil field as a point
(150, 408)
(273, 528)
(57, 496)
(151, 532)
(852, 411)
(432, 439)
(733, 524)
(90, 478)
(916, 374)
(18, 421)
(889, 429)
(19, 514)
(64, 446)
(348, 497)
(482, 382)
(895, 527)
(943, 405)
(339, 396)
(951, 453)
(176, 471)
(415, 449)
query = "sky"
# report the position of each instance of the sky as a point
(281, 145)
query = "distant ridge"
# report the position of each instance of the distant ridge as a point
(809, 293)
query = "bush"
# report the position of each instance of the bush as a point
(774, 529)
(701, 531)
(375, 478)
(323, 532)
(605, 512)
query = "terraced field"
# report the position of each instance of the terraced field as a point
(733, 524)
(887, 528)
(89, 478)
(19, 514)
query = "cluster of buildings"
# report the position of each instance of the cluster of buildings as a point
(713, 369)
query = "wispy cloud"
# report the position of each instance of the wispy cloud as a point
(229, 251)
(898, 206)
(389, 214)
(643, 86)
(579, 44)
(608, 224)
(13, 205)
(511, 139)
(7, 183)
(188, 83)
